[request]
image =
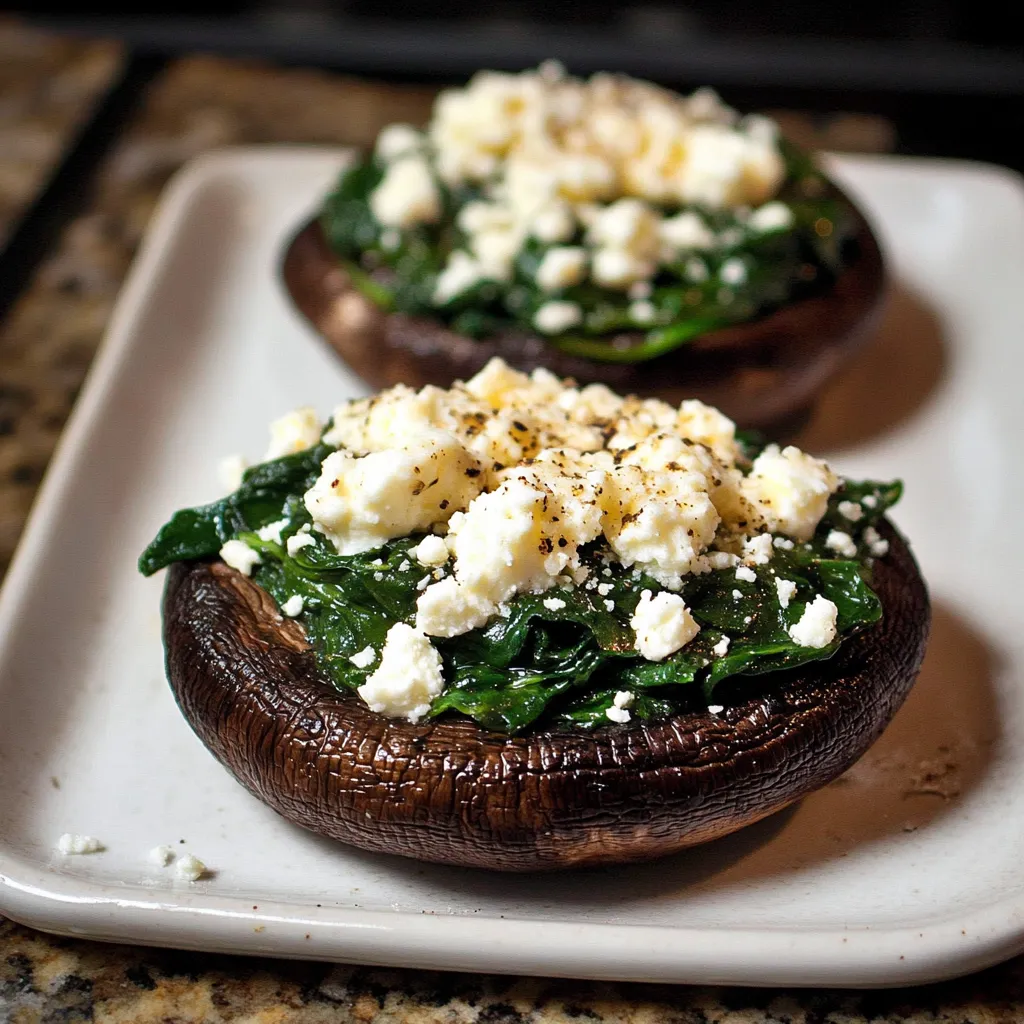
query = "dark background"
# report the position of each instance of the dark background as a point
(948, 76)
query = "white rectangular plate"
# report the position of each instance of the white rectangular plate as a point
(906, 870)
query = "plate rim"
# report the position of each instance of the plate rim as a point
(940, 948)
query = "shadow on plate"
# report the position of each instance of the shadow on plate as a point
(937, 750)
(885, 383)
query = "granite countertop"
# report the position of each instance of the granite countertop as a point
(46, 345)
(48, 87)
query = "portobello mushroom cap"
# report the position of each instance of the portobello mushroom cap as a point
(449, 791)
(763, 374)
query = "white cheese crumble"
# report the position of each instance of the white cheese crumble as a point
(618, 712)
(817, 625)
(758, 550)
(364, 658)
(850, 510)
(642, 312)
(460, 273)
(230, 470)
(746, 574)
(721, 648)
(553, 604)
(293, 606)
(300, 540)
(557, 316)
(161, 856)
(406, 195)
(272, 531)
(431, 551)
(877, 544)
(774, 216)
(561, 267)
(294, 432)
(189, 868)
(789, 490)
(716, 709)
(737, 595)
(240, 556)
(70, 844)
(733, 271)
(786, 589)
(408, 678)
(842, 543)
(663, 624)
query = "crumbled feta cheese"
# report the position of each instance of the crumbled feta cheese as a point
(618, 715)
(842, 543)
(460, 273)
(686, 231)
(406, 195)
(850, 510)
(397, 140)
(161, 856)
(360, 502)
(789, 490)
(230, 471)
(618, 268)
(405, 565)
(817, 625)
(300, 540)
(189, 868)
(786, 589)
(642, 312)
(561, 267)
(364, 658)
(408, 678)
(774, 216)
(604, 589)
(70, 845)
(272, 531)
(733, 271)
(746, 574)
(758, 550)
(783, 543)
(557, 316)
(609, 605)
(663, 624)
(722, 559)
(240, 556)
(294, 432)
(737, 595)
(623, 699)
(432, 550)
(293, 606)
(877, 544)
(721, 648)
(716, 709)
(869, 501)
(553, 604)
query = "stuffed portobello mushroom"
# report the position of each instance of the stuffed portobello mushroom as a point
(607, 230)
(522, 625)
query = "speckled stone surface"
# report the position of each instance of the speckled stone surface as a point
(46, 345)
(48, 87)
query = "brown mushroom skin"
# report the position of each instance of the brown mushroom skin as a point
(452, 792)
(761, 374)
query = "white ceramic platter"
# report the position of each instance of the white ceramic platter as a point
(908, 869)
